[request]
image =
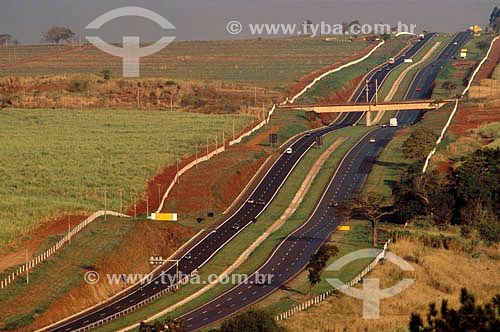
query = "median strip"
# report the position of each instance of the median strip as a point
(294, 204)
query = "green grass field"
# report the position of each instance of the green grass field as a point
(491, 131)
(334, 82)
(56, 162)
(458, 75)
(270, 63)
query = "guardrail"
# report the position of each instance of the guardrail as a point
(138, 305)
(320, 298)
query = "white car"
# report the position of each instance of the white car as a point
(289, 151)
(372, 140)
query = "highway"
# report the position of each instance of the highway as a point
(293, 253)
(304, 241)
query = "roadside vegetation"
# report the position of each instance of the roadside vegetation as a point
(325, 90)
(59, 162)
(273, 63)
(454, 76)
(57, 288)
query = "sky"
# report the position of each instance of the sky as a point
(208, 19)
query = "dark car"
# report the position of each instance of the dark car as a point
(236, 227)
(188, 256)
(261, 202)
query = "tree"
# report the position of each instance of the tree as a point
(476, 178)
(170, 325)
(449, 85)
(250, 321)
(469, 317)
(371, 206)
(428, 194)
(106, 74)
(495, 14)
(57, 34)
(5, 39)
(317, 263)
(419, 144)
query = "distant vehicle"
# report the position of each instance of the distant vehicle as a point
(418, 89)
(455, 43)
(446, 54)
(393, 122)
(372, 140)
(308, 134)
(391, 61)
(421, 36)
(236, 227)
(408, 60)
(335, 204)
(454, 57)
(384, 125)
(261, 202)
(251, 201)
(289, 151)
(188, 256)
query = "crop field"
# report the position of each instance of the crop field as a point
(270, 63)
(331, 83)
(56, 162)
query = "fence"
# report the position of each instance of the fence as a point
(452, 115)
(49, 252)
(320, 298)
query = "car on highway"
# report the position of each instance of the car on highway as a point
(446, 54)
(384, 125)
(308, 134)
(372, 140)
(455, 43)
(188, 256)
(289, 151)
(419, 89)
(261, 202)
(251, 201)
(236, 227)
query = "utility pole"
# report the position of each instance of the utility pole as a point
(207, 146)
(121, 197)
(69, 229)
(233, 130)
(159, 193)
(367, 94)
(255, 96)
(177, 176)
(27, 272)
(105, 206)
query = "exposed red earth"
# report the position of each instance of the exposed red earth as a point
(490, 65)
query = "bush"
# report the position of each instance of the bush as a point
(250, 321)
(79, 86)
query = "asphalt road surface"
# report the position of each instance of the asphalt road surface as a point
(300, 245)
(293, 253)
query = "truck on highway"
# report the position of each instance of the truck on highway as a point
(393, 122)
(391, 61)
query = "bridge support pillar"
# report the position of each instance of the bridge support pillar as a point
(368, 119)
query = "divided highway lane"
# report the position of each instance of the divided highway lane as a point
(213, 242)
(293, 253)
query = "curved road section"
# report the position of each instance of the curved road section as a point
(301, 245)
(293, 253)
